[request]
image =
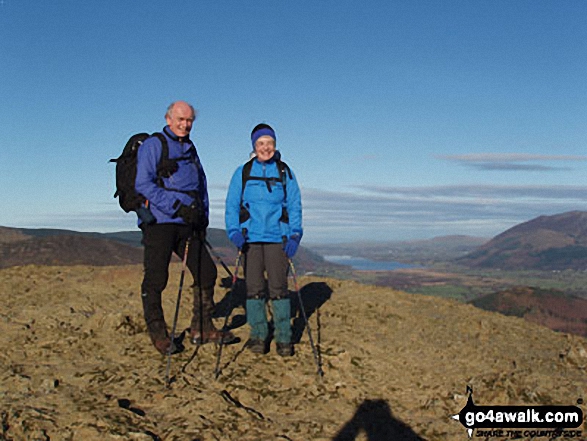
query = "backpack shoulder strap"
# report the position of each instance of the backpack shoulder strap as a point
(286, 168)
(246, 174)
(283, 169)
(165, 166)
(164, 146)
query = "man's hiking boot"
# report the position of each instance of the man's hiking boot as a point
(284, 349)
(162, 346)
(256, 346)
(161, 340)
(202, 329)
(212, 336)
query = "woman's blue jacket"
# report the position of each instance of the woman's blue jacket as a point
(265, 207)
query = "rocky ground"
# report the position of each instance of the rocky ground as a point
(77, 365)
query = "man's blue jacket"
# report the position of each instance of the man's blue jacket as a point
(181, 187)
(264, 206)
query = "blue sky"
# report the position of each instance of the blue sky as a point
(401, 119)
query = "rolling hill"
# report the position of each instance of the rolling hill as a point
(555, 242)
(547, 307)
(67, 249)
(45, 246)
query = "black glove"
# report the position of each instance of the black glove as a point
(193, 215)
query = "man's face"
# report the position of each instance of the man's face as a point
(265, 148)
(180, 119)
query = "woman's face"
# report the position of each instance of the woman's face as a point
(265, 148)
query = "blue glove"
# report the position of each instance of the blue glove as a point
(238, 239)
(291, 246)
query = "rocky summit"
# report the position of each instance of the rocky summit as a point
(78, 365)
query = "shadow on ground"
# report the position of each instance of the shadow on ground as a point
(313, 296)
(234, 298)
(374, 418)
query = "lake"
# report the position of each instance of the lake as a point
(362, 264)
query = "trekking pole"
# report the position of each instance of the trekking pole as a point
(234, 280)
(318, 335)
(218, 258)
(171, 345)
(303, 310)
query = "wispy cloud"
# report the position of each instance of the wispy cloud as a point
(391, 213)
(512, 161)
(575, 192)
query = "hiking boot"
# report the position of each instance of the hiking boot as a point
(213, 336)
(284, 349)
(164, 345)
(160, 337)
(256, 346)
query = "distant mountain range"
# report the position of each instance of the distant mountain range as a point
(45, 246)
(555, 242)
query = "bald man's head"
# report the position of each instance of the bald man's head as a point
(180, 117)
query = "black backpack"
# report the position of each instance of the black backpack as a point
(246, 176)
(126, 170)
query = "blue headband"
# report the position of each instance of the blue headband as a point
(265, 131)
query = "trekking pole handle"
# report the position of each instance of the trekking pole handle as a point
(293, 272)
(236, 266)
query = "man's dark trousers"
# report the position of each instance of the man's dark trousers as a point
(160, 241)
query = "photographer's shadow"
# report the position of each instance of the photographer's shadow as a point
(374, 417)
(313, 296)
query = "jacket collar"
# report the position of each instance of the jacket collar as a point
(174, 137)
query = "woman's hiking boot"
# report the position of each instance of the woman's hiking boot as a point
(256, 346)
(284, 349)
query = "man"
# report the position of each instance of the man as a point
(177, 196)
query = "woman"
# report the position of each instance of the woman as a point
(264, 221)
